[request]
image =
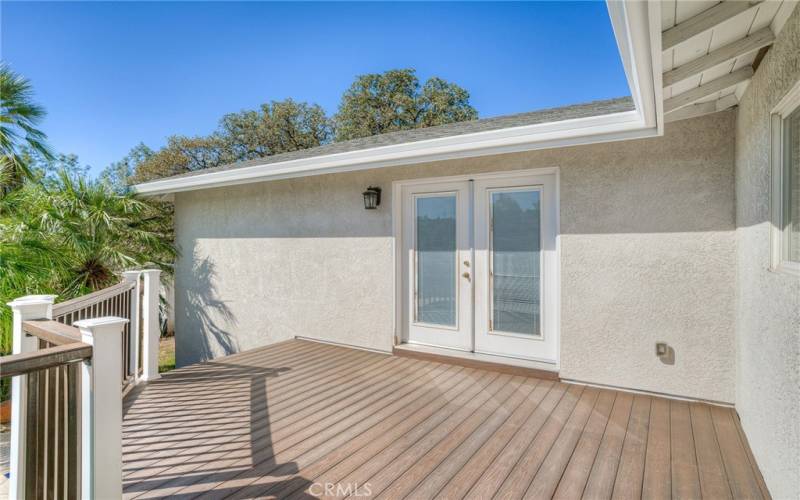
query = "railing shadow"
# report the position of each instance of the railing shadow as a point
(189, 452)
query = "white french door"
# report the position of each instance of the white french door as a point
(438, 254)
(515, 267)
(480, 265)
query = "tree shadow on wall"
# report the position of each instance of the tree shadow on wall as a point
(206, 310)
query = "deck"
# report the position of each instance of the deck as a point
(301, 419)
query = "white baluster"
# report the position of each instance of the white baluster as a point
(151, 331)
(133, 349)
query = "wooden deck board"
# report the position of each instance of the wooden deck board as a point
(373, 458)
(498, 470)
(604, 471)
(378, 437)
(434, 479)
(547, 478)
(576, 473)
(426, 466)
(302, 419)
(685, 475)
(218, 412)
(308, 453)
(742, 480)
(234, 429)
(271, 442)
(657, 474)
(713, 480)
(525, 470)
(460, 482)
(630, 473)
(403, 462)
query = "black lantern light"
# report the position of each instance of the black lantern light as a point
(372, 198)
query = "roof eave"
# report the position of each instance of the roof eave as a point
(618, 126)
(637, 30)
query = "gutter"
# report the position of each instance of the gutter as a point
(637, 30)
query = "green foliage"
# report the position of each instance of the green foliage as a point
(374, 104)
(48, 169)
(166, 354)
(60, 233)
(180, 155)
(19, 117)
(71, 237)
(386, 102)
(278, 127)
(119, 175)
(442, 102)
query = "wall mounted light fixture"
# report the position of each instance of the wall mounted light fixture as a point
(372, 198)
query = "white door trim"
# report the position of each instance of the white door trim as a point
(396, 209)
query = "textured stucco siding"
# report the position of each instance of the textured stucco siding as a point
(647, 254)
(271, 261)
(768, 303)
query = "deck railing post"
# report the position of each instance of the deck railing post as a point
(151, 332)
(101, 408)
(133, 348)
(23, 308)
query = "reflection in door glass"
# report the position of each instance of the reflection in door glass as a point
(436, 259)
(516, 248)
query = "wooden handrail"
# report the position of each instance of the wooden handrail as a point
(52, 331)
(76, 304)
(27, 362)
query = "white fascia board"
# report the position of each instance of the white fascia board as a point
(637, 30)
(390, 156)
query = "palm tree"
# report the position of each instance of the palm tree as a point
(73, 236)
(19, 117)
(66, 236)
(101, 232)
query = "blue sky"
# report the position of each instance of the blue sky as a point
(113, 74)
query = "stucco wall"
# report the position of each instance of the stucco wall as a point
(768, 303)
(647, 242)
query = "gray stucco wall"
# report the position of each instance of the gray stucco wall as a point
(768, 303)
(647, 242)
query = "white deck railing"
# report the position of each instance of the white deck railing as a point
(114, 335)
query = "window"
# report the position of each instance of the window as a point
(786, 183)
(437, 259)
(516, 254)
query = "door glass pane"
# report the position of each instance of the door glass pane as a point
(436, 259)
(516, 248)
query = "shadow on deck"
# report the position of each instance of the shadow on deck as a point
(301, 419)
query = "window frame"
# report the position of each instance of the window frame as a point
(779, 242)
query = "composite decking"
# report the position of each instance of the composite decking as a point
(302, 419)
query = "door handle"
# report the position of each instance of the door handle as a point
(466, 275)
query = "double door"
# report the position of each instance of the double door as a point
(479, 265)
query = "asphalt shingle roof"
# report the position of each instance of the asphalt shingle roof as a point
(594, 108)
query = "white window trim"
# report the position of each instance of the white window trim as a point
(778, 242)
